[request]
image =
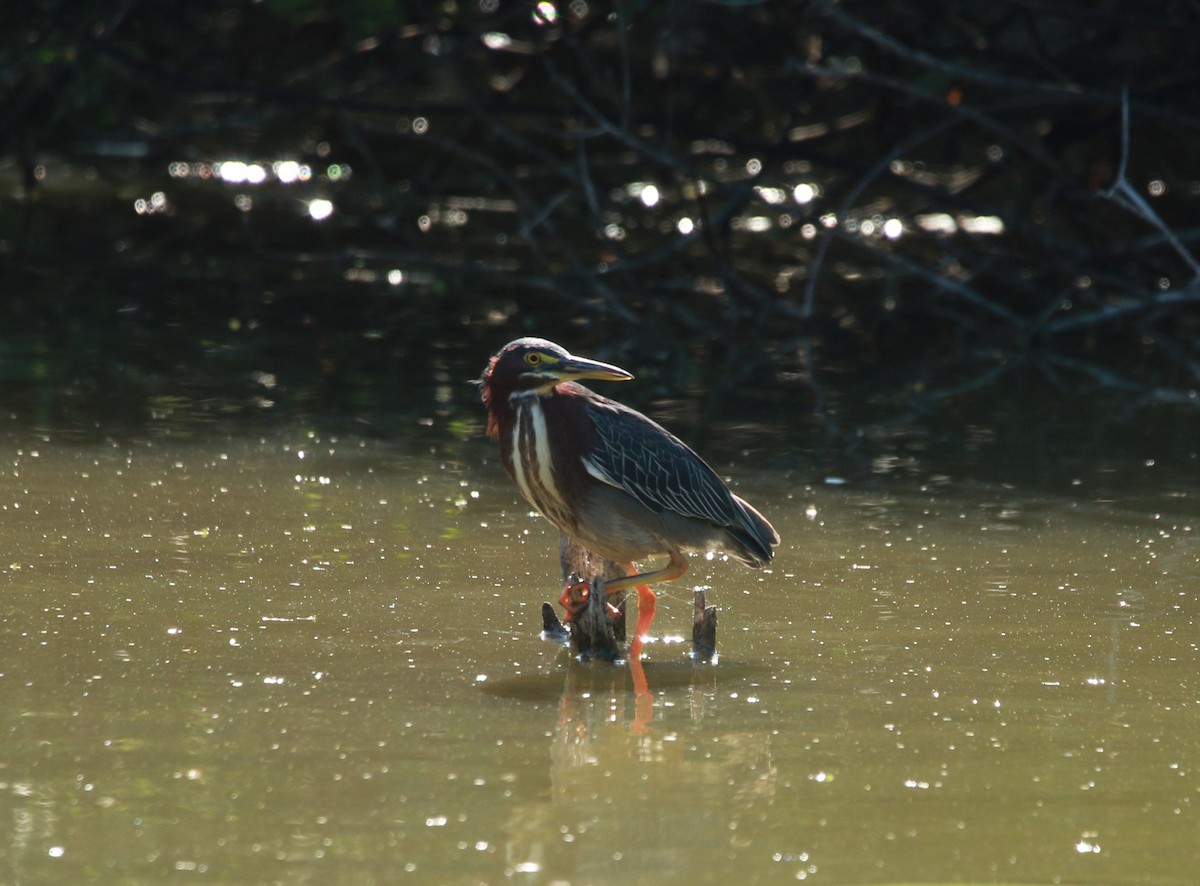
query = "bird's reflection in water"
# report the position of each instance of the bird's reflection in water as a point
(660, 737)
(596, 698)
(614, 715)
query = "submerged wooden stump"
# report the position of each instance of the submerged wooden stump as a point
(598, 628)
(704, 628)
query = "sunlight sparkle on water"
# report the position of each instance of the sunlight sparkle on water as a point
(774, 196)
(804, 193)
(937, 223)
(238, 172)
(755, 224)
(320, 209)
(290, 171)
(156, 204)
(981, 224)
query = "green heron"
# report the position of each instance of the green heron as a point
(612, 479)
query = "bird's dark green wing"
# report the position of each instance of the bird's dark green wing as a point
(635, 454)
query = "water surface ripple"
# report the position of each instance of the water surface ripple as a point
(305, 659)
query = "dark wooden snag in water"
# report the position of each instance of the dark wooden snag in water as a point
(552, 628)
(704, 628)
(594, 632)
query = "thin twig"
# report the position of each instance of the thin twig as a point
(962, 72)
(1124, 309)
(1109, 379)
(1129, 198)
(982, 380)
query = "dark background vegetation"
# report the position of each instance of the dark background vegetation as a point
(486, 161)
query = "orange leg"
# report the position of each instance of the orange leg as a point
(675, 567)
(646, 607)
(643, 700)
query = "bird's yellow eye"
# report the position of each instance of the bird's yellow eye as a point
(533, 358)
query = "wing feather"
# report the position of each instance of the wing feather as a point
(635, 454)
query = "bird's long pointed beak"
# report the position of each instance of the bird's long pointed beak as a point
(580, 367)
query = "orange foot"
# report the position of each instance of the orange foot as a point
(575, 596)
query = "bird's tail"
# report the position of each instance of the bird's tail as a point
(756, 538)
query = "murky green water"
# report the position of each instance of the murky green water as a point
(309, 660)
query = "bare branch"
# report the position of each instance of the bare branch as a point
(1125, 195)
